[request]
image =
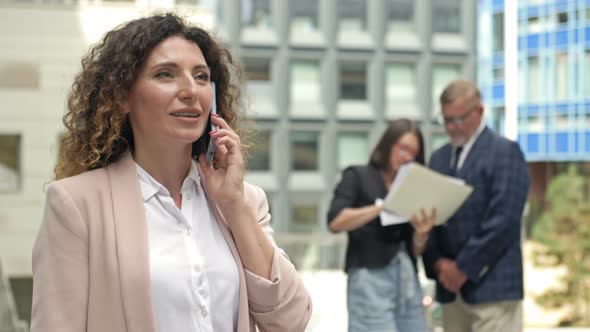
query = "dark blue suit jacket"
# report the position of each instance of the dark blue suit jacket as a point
(483, 236)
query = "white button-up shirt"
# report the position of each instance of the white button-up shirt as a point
(194, 276)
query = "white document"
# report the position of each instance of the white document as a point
(417, 187)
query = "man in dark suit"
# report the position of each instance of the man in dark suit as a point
(476, 256)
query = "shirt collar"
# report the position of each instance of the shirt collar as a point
(150, 186)
(473, 137)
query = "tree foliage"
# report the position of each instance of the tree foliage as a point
(564, 231)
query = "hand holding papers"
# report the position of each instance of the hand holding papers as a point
(416, 187)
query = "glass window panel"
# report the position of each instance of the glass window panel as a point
(304, 148)
(562, 18)
(498, 118)
(401, 83)
(498, 74)
(259, 158)
(352, 15)
(257, 72)
(305, 81)
(499, 32)
(438, 140)
(400, 15)
(533, 94)
(353, 149)
(257, 13)
(305, 214)
(446, 16)
(587, 94)
(19, 75)
(304, 14)
(443, 74)
(353, 81)
(562, 76)
(9, 162)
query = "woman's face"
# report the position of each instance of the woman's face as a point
(170, 101)
(403, 151)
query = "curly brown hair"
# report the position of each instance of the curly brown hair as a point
(98, 132)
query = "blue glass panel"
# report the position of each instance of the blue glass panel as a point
(498, 60)
(533, 11)
(533, 41)
(587, 141)
(587, 32)
(561, 142)
(578, 142)
(498, 91)
(532, 143)
(561, 38)
(533, 109)
(561, 108)
(521, 43)
(561, 6)
(498, 5)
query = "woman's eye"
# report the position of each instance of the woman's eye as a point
(202, 77)
(163, 74)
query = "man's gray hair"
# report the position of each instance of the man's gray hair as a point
(461, 89)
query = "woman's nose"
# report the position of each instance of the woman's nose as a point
(187, 89)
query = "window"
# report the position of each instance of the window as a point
(19, 75)
(304, 211)
(353, 81)
(353, 149)
(304, 15)
(587, 94)
(562, 18)
(446, 16)
(442, 75)
(562, 77)
(534, 24)
(498, 74)
(498, 115)
(536, 124)
(352, 15)
(400, 84)
(533, 93)
(259, 158)
(305, 214)
(498, 32)
(259, 84)
(188, 2)
(400, 15)
(305, 81)
(257, 14)
(9, 163)
(304, 149)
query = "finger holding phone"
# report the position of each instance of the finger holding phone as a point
(223, 163)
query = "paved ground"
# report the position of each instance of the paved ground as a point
(328, 291)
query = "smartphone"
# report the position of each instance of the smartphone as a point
(211, 148)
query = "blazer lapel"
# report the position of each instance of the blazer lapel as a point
(132, 245)
(477, 148)
(243, 312)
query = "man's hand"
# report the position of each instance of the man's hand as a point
(449, 274)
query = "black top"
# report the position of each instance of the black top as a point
(371, 245)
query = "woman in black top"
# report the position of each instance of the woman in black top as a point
(383, 289)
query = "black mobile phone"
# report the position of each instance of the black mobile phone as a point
(212, 147)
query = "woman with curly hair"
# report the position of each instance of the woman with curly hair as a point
(140, 231)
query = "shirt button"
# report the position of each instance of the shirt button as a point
(189, 232)
(204, 311)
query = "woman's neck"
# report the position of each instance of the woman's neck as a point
(168, 165)
(387, 177)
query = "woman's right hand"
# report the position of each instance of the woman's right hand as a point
(424, 222)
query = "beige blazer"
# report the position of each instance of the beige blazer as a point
(91, 261)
